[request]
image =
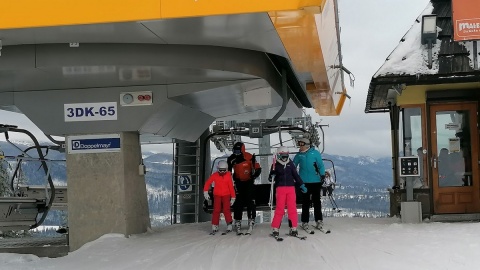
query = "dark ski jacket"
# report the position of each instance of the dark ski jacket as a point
(245, 167)
(285, 175)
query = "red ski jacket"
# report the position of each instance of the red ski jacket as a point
(223, 184)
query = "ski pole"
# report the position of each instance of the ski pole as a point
(270, 203)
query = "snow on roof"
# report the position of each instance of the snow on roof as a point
(410, 57)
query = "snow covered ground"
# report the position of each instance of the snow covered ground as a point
(355, 243)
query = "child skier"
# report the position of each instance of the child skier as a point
(285, 179)
(223, 195)
(328, 184)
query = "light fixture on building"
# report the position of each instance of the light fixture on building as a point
(429, 34)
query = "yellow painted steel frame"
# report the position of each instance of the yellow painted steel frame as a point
(35, 13)
(298, 31)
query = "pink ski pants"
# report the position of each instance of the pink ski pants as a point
(285, 197)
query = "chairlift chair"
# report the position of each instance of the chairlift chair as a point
(29, 206)
(330, 184)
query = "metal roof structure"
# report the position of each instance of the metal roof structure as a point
(201, 60)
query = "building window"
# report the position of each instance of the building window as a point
(411, 140)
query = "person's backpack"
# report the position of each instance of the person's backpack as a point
(247, 169)
(243, 170)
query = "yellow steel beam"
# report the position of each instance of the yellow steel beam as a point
(298, 32)
(35, 13)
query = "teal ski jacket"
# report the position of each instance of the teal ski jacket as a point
(305, 163)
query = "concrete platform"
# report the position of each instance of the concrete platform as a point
(455, 217)
(51, 247)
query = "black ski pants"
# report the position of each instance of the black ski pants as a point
(312, 195)
(245, 198)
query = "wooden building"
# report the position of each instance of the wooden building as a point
(431, 91)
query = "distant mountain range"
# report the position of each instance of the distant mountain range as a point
(361, 191)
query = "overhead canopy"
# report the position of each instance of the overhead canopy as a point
(200, 59)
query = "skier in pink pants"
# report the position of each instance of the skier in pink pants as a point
(286, 178)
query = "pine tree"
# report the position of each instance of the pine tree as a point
(4, 177)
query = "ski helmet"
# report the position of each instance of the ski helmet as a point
(237, 148)
(305, 141)
(222, 166)
(283, 153)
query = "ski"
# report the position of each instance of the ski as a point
(212, 233)
(226, 232)
(278, 238)
(249, 231)
(308, 230)
(301, 237)
(240, 233)
(323, 230)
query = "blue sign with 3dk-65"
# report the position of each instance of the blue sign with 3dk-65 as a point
(94, 143)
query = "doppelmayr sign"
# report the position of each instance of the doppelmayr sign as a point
(93, 143)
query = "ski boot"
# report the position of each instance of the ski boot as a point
(238, 227)
(275, 232)
(251, 223)
(319, 224)
(214, 229)
(229, 227)
(305, 226)
(293, 232)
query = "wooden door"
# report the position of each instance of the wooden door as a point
(454, 158)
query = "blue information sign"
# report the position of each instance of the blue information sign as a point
(94, 143)
(184, 183)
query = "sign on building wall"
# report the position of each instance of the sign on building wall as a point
(184, 183)
(466, 19)
(83, 144)
(90, 111)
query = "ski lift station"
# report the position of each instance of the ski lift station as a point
(109, 76)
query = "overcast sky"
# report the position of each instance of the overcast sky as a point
(370, 30)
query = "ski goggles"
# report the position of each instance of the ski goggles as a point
(237, 151)
(301, 144)
(222, 170)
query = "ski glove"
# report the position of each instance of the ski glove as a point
(232, 201)
(322, 179)
(303, 188)
(205, 194)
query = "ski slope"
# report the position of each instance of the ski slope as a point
(355, 243)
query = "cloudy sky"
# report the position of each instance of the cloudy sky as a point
(370, 30)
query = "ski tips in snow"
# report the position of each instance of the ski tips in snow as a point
(278, 238)
(325, 231)
(301, 237)
(308, 230)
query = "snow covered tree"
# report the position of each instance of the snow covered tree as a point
(4, 177)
